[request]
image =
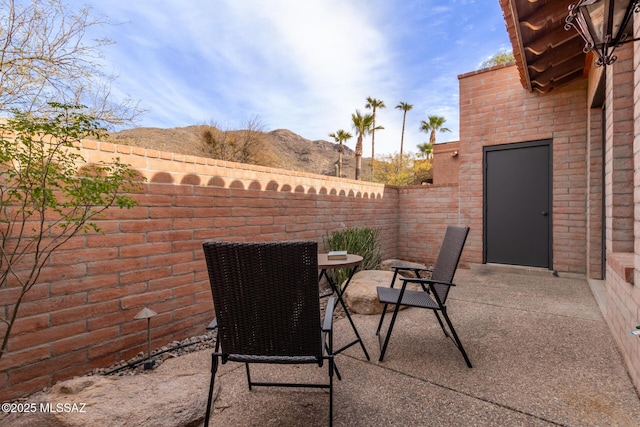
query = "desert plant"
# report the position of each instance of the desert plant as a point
(392, 169)
(242, 146)
(48, 194)
(502, 57)
(361, 241)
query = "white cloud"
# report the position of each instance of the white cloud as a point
(301, 65)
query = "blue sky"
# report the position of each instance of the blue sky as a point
(299, 65)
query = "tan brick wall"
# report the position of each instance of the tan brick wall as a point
(619, 152)
(423, 215)
(623, 302)
(495, 109)
(623, 297)
(594, 196)
(622, 169)
(636, 157)
(80, 314)
(446, 163)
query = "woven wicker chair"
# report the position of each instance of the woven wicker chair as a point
(267, 309)
(435, 289)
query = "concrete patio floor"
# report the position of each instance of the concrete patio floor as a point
(542, 355)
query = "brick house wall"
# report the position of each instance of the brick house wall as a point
(621, 160)
(632, 355)
(495, 109)
(622, 185)
(80, 314)
(594, 125)
(619, 153)
(446, 163)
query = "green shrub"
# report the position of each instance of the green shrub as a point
(48, 194)
(361, 241)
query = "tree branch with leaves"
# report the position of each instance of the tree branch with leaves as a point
(45, 57)
(48, 194)
(435, 124)
(242, 146)
(362, 125)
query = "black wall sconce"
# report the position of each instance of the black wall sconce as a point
(604, 25)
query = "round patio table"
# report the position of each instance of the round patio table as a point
(352, 261)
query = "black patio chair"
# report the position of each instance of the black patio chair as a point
(434, 292)
(267, 308)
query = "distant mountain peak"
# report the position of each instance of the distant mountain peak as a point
(286, 149)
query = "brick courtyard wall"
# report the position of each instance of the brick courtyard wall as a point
(80, 314)
(423, 215)
(495, 109)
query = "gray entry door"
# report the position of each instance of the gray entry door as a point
(517, 200)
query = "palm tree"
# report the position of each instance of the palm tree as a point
(373, 104)
(340, 136)
(404, 107)
(362, 126)
(434, 124)
(426, 150)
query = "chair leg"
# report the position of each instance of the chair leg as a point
(335, 366)
(456, 339)
(214, 369)
(331, 369)
(248, 375)
(383, 350)
(446, 334)
(384, 309)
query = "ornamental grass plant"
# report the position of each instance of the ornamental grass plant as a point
(361, 241)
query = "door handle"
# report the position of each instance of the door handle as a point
(544, 213)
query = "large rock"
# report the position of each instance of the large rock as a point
(386, 266)
(173, 395)
(361, 295)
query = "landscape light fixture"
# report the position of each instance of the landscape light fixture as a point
(604, 25)
(147, 313)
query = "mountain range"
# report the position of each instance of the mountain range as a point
(284, 149)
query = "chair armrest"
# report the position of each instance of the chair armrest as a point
(427, 281)
(400, 267)
(327, 324)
